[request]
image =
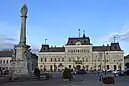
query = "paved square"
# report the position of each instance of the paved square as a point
(79, 80)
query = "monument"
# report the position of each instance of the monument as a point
(21, 61)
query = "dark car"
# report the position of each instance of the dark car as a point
(126, 72)
(82, 71)
(120, 73)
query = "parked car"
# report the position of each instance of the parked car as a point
(73, 72)
(118, 72)
(109, 71)
(126, 71)
(81, 71)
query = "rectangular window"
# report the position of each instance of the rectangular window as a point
(107, 67)
(41, 66)
(58, 59)
(51, 59)
(7, 61)
(45, 59)
(3, 61)
(69, 60)
(62, 59)
(55, 59)
(41, 59)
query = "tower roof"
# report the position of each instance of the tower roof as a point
(82, 40)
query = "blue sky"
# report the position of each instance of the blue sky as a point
(57, 20)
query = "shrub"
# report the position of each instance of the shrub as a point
(66, 73)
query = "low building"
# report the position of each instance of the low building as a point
(80, 53)
(34, 59)
(126, 58)
(5, 59)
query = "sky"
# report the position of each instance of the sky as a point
(56, 20)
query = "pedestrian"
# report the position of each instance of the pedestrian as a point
(37, 73)
(100, 75)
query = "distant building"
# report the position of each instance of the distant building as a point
(126, 58)
(34, 59)
(80, 53)
(5, 59)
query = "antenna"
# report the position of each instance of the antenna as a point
(45, 41)
(79, 32)
(84, 34)
(114, 39)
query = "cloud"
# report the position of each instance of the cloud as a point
(8, 43)
(10, 35)
(122, 36)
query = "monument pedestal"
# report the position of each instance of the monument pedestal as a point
(21, 62)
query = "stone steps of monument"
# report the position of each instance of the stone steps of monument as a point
(34, 77)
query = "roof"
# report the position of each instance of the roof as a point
(83, 40)
(6, 53)
(46, 48)
(112, 47)
(126, 57)
(57, 49)
(34, 56)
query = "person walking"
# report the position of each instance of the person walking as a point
(100, 75)
(37, 73)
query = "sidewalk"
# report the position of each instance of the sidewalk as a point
(4, 78)
(94, 83)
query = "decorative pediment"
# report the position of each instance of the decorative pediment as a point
(78, 43)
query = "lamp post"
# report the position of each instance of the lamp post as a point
(92, 61)
(100, 54)
(105, 60)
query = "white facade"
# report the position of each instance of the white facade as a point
(126, 59)
(5, 62)
(89, 59)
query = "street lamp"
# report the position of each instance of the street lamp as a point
(100, 54)
(105, 60)
(92, 60)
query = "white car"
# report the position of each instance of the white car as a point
(115, 72)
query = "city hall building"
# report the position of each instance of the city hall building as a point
(80, 53)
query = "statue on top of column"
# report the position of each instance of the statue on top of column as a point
(24, 10)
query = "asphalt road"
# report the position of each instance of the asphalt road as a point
(57, 81)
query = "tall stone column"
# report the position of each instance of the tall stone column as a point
(20, 60)
(24, 11)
